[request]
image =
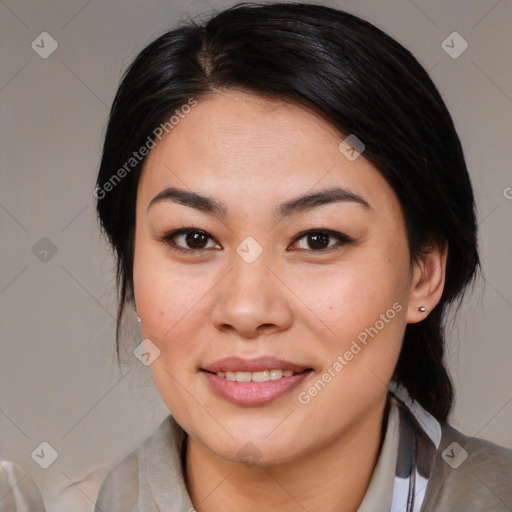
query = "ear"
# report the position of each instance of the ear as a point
(427, 282)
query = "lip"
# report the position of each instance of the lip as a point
(238, 364)
(253, 393)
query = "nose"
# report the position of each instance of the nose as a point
(251, 301)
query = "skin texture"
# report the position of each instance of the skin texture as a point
(293, 302)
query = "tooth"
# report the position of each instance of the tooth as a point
(262, 376)
(243, 376)
(276, 374)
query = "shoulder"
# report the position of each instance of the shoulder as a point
(469, 474)
(120, 488)
(125, 484)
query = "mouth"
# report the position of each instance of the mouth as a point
(254, 382)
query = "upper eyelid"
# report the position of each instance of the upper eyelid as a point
(331, 232)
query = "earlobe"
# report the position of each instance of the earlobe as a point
(427, 283)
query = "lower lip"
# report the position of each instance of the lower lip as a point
(253, 393)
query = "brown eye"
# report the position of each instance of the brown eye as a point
(189, 240)
(196, 240)
(317, 241)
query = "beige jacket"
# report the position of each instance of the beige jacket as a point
(151, 478)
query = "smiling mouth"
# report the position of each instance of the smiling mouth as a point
(253, 382)
(256, 388)
(259, 376)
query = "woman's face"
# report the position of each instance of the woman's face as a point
(267, 281)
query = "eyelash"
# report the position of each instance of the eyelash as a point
(168, 239)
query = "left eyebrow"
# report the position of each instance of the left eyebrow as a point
(299, 204)
(316, 199)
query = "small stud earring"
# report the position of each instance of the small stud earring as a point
(138, 319)
(422, 309)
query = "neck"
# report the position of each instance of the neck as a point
(333, 478)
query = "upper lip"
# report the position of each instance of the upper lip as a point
(237, 364)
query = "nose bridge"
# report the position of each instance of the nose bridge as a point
(250, 296)
(250, 279)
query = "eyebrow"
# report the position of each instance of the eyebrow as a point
(299, 204)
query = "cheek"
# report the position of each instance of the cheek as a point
(363, 304)
(365, 312)
(168, 298)
(366, 328)
(353, 295)
(170, 305)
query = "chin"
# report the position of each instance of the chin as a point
(263, 442)
(256, 452)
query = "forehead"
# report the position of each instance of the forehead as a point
(234, 127)
(234, 143)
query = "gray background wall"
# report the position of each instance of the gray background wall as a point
(58, 377)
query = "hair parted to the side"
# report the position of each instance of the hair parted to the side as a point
(361, 81)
